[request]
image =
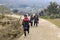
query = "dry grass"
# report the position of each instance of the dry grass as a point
(10, 28)
(55, 21)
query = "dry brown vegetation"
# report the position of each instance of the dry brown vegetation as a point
(55, 21)
(10, 28)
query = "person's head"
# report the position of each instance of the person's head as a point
(31, 15)
(25, 16)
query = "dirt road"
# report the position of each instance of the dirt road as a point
(45, 31)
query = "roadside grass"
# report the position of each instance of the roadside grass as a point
(11, 28)
(55, 21)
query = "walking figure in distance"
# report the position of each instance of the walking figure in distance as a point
(25, 24)
(31, 20)
(36, 19)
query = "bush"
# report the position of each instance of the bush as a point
(45, 17)
(10, 29)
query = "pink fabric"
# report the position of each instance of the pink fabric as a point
(25, 19)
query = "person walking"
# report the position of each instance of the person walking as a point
(31, 20)
(25, 24)
(36, 19)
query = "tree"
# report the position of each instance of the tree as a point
(52, 8)
(41, 13)
(15, 10)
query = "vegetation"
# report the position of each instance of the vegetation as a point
(55, 21)
(10, 28)
(4, 10)
(15, 11)
(52, 11)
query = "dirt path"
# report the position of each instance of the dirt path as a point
(45, 31)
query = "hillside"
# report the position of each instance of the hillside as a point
(4, 9)
(10, 28)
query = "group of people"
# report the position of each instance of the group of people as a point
(26, 22)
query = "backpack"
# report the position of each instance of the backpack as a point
(25, 23)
